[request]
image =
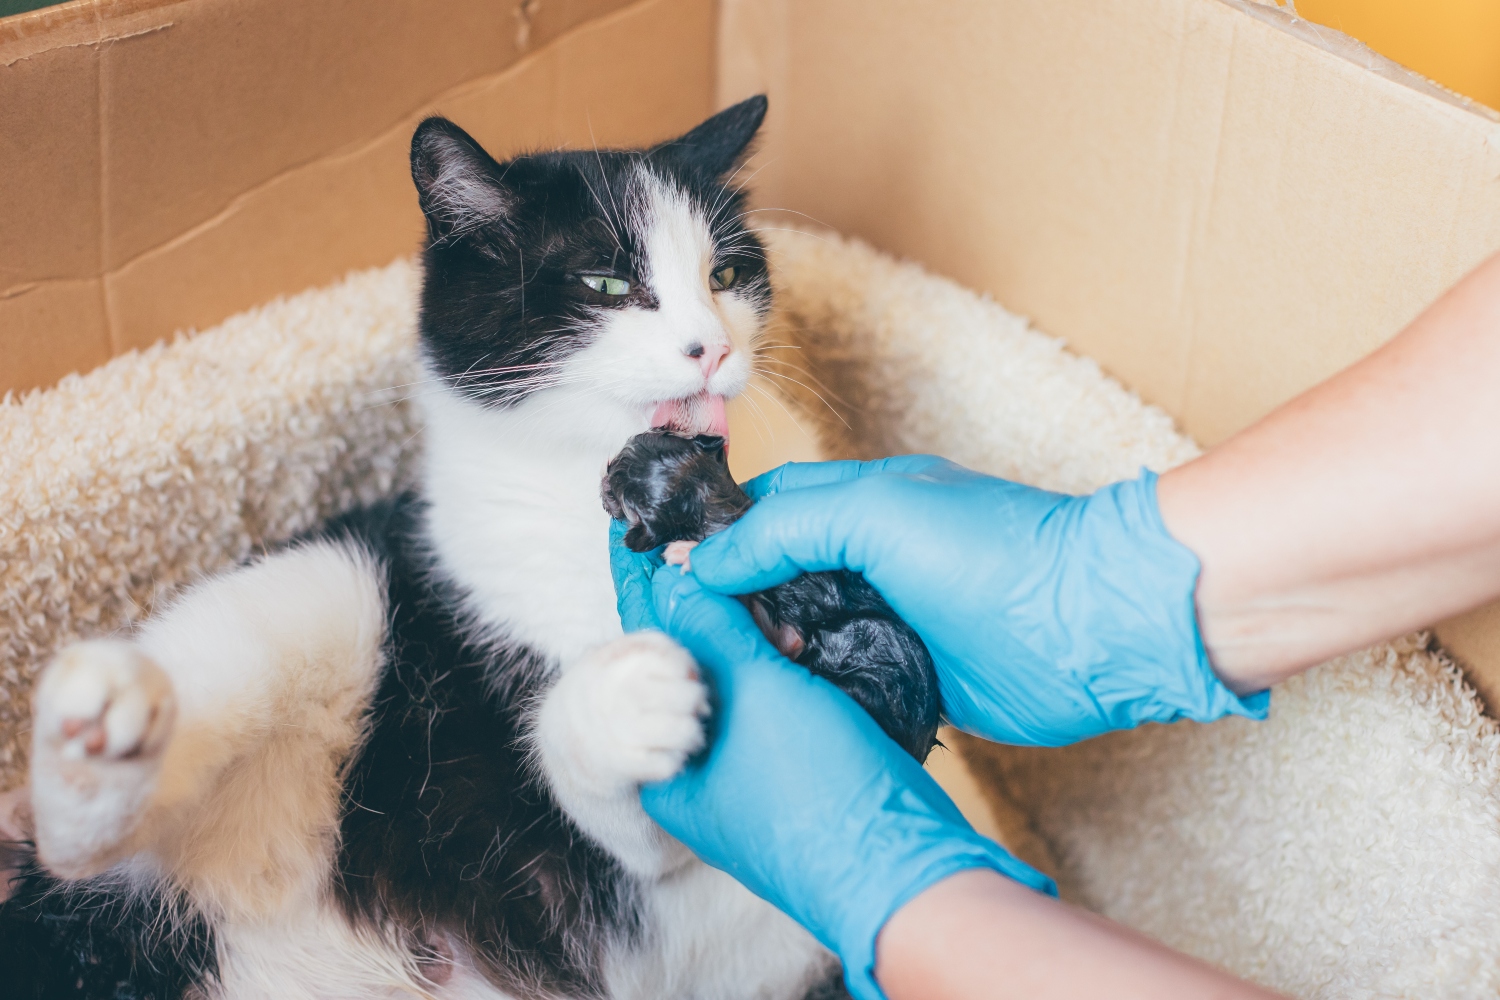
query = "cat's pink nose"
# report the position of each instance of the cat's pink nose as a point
(709, 358)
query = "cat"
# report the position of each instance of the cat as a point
(675, 490)
(402, 757)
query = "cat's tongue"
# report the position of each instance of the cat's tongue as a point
(700, 414)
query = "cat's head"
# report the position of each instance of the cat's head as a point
(595, 287)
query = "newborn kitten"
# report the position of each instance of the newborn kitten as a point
(676, 490)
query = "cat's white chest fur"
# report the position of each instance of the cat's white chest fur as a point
(516, 520)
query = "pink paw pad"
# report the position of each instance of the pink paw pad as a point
(676, 554)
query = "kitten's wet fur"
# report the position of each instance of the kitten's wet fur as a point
(673, 487)
(403, 756)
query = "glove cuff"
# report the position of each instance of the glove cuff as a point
(1135, 557)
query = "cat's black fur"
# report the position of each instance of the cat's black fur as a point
(100, 941)
(447, 831)
(669, 486)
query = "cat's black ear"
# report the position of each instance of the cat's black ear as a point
(459, 185)
(714, 148)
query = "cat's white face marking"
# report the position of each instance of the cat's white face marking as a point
(696, 340)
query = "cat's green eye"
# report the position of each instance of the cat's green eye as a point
(723, 278)
(608, 286)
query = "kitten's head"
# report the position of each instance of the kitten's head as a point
(615, 287)
(669, 487)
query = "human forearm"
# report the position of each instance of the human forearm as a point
(979, 935)
(1366, 507)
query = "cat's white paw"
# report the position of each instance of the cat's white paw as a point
(630, 712)
(102, 715)
(103, 700)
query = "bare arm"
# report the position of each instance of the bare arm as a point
(1367, 507)
(980, 935)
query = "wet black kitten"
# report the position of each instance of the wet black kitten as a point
(669, 487)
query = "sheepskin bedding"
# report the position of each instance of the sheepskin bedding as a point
(1347, 847)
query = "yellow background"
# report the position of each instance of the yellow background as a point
(1455, 42)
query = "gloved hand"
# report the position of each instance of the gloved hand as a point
(1050, 618)
(800, 795)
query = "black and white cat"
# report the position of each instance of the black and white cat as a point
(403, 758)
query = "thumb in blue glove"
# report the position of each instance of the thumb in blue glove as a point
(801, 796)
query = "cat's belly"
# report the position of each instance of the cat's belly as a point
(717, 941)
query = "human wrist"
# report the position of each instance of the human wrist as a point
(953, 853)
(917, 946)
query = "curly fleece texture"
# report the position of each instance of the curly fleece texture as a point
(1348, 847)
(119, 486)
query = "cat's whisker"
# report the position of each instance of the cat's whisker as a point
(776, 398)
(729, 194)
(789, 211)
(821, 399)
(759, 414)
(605, 180)
(788, 229)
(483, 372)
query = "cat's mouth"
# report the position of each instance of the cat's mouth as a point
(702, 413)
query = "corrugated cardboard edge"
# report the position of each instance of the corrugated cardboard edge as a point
(81, 22)
(1353, 50)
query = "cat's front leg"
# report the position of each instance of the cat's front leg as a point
(103, 712)
(627, 713)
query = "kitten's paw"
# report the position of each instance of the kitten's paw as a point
(679, 553)
(103, 700)
(630, 712)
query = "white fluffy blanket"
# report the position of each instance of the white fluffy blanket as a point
(1348, 847)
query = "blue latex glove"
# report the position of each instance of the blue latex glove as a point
(800, 795)
(632, 572)
(1050, 618)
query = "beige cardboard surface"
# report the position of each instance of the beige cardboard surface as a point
(1218, 211)
(1219, 207)
(177, 162)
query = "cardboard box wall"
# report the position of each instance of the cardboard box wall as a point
(1220, 204)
